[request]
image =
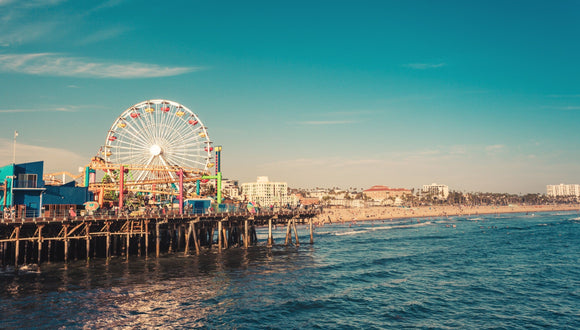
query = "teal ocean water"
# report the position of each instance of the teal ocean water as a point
(513, 271)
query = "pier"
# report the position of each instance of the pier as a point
(36, 240)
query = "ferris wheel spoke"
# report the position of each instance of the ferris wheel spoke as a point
(130, 148)
(184, 158)
(126, 148)
(137, 130)
(149, 119)
(179, 160)
(142, 174)
(136, 138)
(195, 140)
(166, 164)
(172, 129)
(187, 156)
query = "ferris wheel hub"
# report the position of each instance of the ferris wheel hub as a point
(155, 150)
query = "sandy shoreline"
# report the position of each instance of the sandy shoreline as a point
(385, 213)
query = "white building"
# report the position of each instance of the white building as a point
(231, 189)
(563, 190)
(267, 193)
(438, 190)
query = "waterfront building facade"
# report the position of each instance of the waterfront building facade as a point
(231, 189)
(22, 188)
(563, 190)
(266, 193)
(379, 193)
(438, 190)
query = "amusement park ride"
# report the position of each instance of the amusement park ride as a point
(154, 148)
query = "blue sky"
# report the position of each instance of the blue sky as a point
(478, 95)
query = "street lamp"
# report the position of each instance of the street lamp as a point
(14, 148)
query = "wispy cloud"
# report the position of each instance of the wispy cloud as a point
(323, 162)
(570, 107)
(49, 64)
(25, 33)
(350, 113)
(68, 108)
(327, 122)
(55, 159)
(20, 22)
(31, 3)
(561, 96)
(103, 35)
(108, 4)
(424, 66)
(494, 148)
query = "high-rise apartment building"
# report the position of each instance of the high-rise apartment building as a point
(267, 193)
(563, 190)
(438, 190)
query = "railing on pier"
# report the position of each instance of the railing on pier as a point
(13, 216)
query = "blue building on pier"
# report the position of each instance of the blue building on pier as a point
(22, 187)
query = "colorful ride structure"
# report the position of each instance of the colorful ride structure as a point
(156, 147)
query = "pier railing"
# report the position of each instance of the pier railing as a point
(112, 214)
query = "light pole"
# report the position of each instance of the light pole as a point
(14, 148)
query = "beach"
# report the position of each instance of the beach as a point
(341, 214)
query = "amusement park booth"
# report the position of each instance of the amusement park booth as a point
(22, 187)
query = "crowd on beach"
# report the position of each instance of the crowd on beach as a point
(339, 214)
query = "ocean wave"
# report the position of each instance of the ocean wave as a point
(353, 232)
(22, 270)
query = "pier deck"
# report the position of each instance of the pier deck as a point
(60, 238)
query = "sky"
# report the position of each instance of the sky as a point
(477, 95)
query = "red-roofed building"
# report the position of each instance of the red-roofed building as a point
(380, 193)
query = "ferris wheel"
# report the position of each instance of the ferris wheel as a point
(156, 136)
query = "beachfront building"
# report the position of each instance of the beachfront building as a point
(440, 191)
(563, 190)
(231, 189)
(380, 193)
(23, 189)
(347, 203)
(266, 193)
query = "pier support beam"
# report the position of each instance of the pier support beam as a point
(270, 238)
(311, 231)
(88, 240)
(220, 236)
(186, 250)
(128, 242)
(195, 239)
(146, 238)
(158, 239)
(17, 246)
(295, 232)
(40, 244)
(288, 233)
(108, 240)
(66, 241)
(246, 234)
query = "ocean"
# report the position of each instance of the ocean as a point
(510, 271)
